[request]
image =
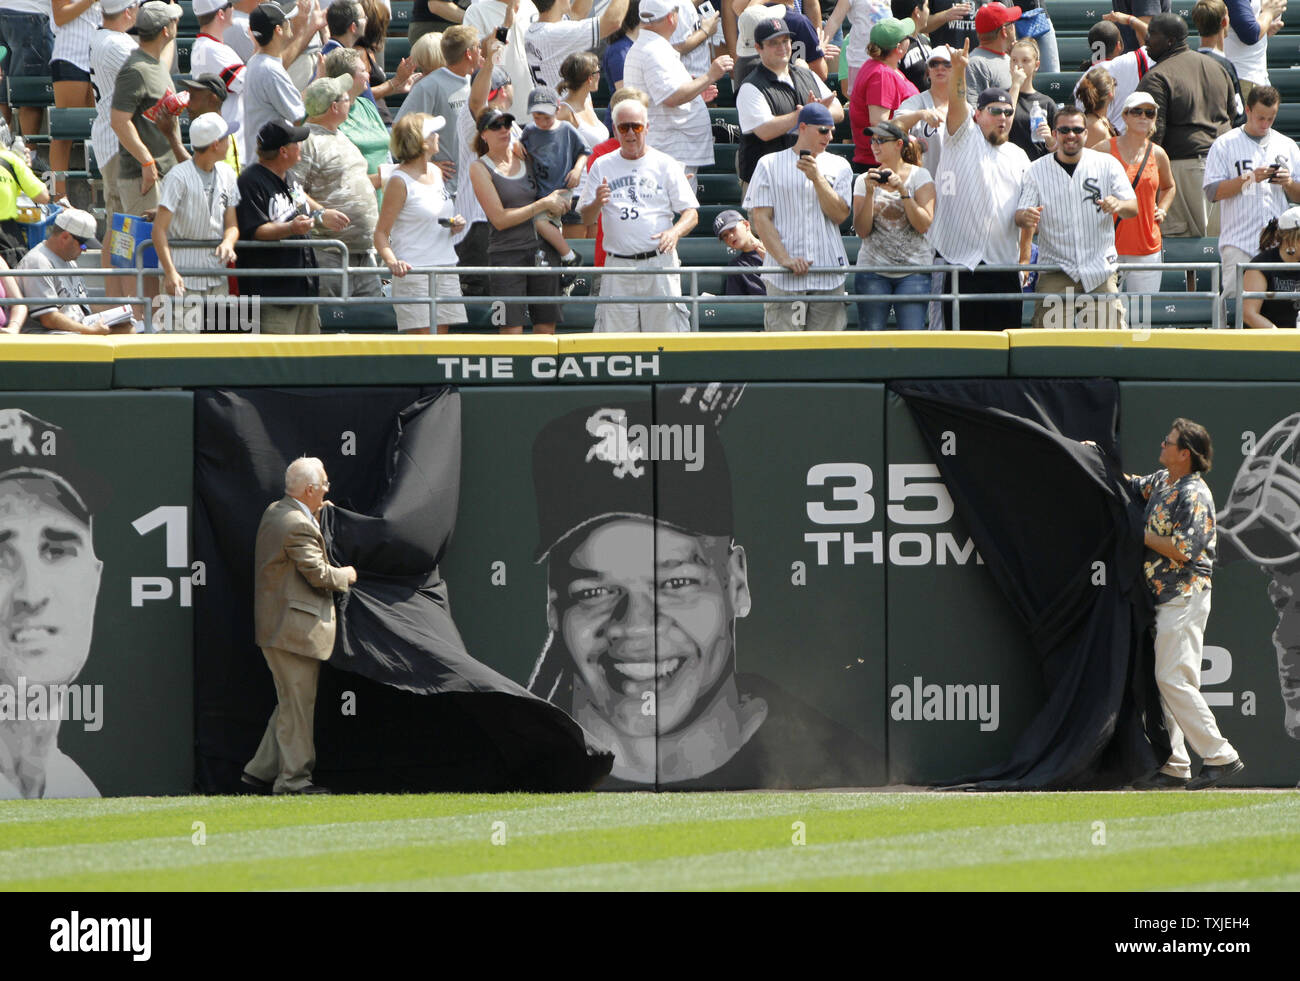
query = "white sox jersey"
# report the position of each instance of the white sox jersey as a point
(1073, 232)
(1243, 216)
(547, 44)
(644, 195)
(805, 230)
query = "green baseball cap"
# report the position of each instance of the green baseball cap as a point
(889, 33)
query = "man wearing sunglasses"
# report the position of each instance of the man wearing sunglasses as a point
(1072, 199)
(57, 300)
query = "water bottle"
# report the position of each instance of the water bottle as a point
(1037, 116)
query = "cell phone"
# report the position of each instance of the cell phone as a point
(704, 9)
(883, 175)
(445, 222)
(503, 35)
(805, 153)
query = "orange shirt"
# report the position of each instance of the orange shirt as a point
(1140, 235)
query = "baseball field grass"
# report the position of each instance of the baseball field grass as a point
(1213, 840)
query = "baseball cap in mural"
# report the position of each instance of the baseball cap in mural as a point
(889, 33)
(991, 16)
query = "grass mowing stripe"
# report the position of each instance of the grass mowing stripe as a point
(745, 853)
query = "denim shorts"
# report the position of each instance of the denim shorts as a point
(66, 71)
(30, 42)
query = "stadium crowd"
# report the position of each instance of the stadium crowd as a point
(498, 156)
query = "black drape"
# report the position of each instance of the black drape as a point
(401, 704)
(1062, 538)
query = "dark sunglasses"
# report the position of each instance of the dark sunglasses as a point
(825, 130)
(1071, 130)
(499, 124)
(631, 127)
(1001, 112)
(883, 139)
(939, 63)
(1148, 111)
(79, 240)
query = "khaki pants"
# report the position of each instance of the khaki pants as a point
(133, 201)
(1180, 630)
(634, 317)
(1087, 311)
(798, 314)
(289, 318)
(287, 753)
(1190, 216)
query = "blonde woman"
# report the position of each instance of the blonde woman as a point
(416, 225)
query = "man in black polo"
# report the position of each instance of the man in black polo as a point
(769, 100)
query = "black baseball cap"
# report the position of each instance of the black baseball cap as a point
(490, 116)
(207, 82)
(768, 29)
(263, 21)
(277, 134)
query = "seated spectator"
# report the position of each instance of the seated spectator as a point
(1211, 20)
(13, 317)
(880, 87)
(363, 126)
(1094, 95)
(559, 157)
(507, 190)
(734, 232)
(637, 191)
(1042, 141)
(893, 206)
(416, 225)
(332, 170)
(198, 204)
(58, 298)
(1278, 242)
(208, 94)
(798, 199)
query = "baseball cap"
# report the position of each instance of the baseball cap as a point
(1289, 219)
(726, 221)
(1139, 99)
(154, 15)
(816, 114)
(500, 79)
(322, 93)
(112, 7)
(490, 116)
(543, 99)
(207, 82)
(889, 33)
(768, 29)
(887, 131)
(263, 21)
(990, 96)
(204, 7)
(277, 133)
(991, 16)
(82, 223)
(651, 10)
(940, 53)
(432, 125)
(209, 128)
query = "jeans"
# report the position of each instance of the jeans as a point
(910, 316)
(1049, 59)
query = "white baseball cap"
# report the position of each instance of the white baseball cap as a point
(209, 128)
(1138, 99)
(1289, 219)
(652, 10)
(204, 7)
(432, 125)
(112, 7)
(75, 222)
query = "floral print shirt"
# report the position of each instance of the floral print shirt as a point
(1182, 510)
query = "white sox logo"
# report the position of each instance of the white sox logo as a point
(1093, 190)
(610, 427)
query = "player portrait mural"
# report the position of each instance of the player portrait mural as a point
(646, 584)
(1261, 525)
(94, 635)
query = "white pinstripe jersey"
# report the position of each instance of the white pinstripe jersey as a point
(683, 132)
(1243, 216)
(805, 230)
(688, 22)
(1073, 232)
(108, 53)
(977, 187)
(198, 204)
(72, 40)
(547, 45)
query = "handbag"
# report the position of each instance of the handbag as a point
(1033, 23)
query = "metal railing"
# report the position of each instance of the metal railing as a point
(1243, 295)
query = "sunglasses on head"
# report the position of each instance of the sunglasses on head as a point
(631, 127)
(1071, 130)
(1148, 111)
(1001, 112)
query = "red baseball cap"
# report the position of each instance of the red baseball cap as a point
(992, 16)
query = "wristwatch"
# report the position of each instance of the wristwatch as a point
(316, 216)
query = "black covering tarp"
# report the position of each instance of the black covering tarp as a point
(1062, 538)
(401, 705)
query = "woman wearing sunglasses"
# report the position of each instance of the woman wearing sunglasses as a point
(893, 205)
(1148, 169)
(507, 190)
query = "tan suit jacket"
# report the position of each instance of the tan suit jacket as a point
(293, 609)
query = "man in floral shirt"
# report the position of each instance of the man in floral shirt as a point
(1181, 549)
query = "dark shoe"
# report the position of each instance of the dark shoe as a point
(1210, 775)
(1160, 781)
(254, 785)
(311, 788)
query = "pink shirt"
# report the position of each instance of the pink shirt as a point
(876, 84)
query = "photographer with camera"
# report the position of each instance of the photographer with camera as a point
(1251, 169)
(893, 205)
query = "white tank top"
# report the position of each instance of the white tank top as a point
(417, 237)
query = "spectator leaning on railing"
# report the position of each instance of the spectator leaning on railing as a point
(333, 171)
(416, 226)
(198, 204)
(797, 200)
(1279, 242)
(636, 192)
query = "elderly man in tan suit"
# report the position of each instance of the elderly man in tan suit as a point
(293, 613)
